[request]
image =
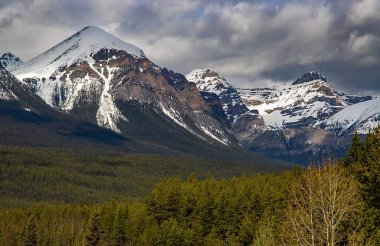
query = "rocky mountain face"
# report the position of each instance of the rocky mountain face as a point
(8, 85)
(208, 80)
(97, 75)
(292, 121)
(305, 103)
(239, 117)
(10, 61)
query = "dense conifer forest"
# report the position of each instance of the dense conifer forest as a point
(128, 201)
(29, 175)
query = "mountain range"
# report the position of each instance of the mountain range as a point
(297, 121)
(95, 88)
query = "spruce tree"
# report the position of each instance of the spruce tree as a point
(119, 229)
(363, 160)
(370, 172)
(355, 153)
(95, 234)
(30, 238)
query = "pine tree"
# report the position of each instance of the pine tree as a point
(355, 153)
(363, 161)
(95, 232)
(30, 238)
(370, 172)
(119, 229)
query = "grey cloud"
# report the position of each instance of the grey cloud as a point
(268, 40)
(5, 3)
(6, 19)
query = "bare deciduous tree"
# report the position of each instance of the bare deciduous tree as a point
(320, 204)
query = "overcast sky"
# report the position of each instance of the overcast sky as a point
(252, 43)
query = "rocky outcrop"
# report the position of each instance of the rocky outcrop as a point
(216, 107)
(209, 81)
(9, 61)
(308, 77)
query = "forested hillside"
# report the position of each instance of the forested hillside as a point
(335, 203)
(29, 175)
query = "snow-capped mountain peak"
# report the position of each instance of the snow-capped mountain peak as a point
(208, 80)
(78, 47)
(9, 61)
(304, 103)
(95, 74)
(81, 64)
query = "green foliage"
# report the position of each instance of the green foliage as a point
(238, 211)
(30, 238)
(43, 192)
(119, 232)
(363, 160)
(29, 175)
(266, 232)
(176, 212)
(95, 234)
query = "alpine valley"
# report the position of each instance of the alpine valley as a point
(94, 89)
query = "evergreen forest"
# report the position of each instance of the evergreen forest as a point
(52, 197)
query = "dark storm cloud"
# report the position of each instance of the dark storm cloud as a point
(252, 40)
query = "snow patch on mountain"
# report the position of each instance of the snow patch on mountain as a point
(108, 115)
(176, 117)
(210, 134)
(294, 104)
(7, 95)
(361, 117)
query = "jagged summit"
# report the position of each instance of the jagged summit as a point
(205, 72)
(9, 61)
(9, 55)
(308, 77)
